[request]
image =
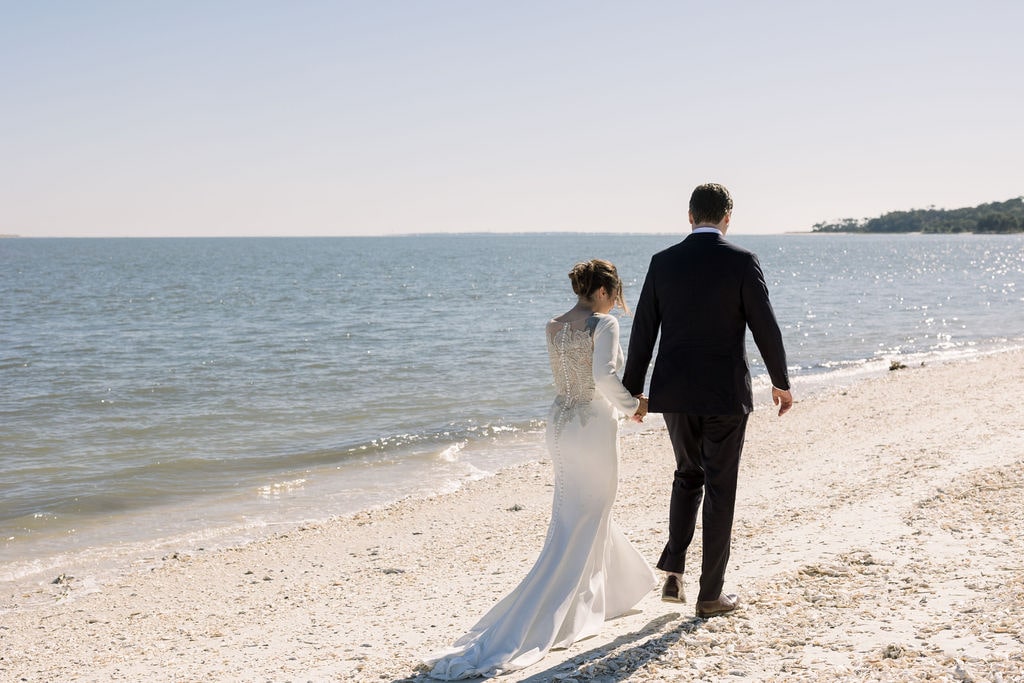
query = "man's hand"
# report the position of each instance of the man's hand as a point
(641, 410)
(783, 399)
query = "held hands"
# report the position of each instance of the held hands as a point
(783, 399)
(641, 410)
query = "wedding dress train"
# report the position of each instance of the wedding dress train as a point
(587, 570)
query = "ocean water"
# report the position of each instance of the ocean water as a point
(202, 391)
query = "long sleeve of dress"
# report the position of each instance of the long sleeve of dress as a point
(608, 361)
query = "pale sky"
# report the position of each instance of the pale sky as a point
(379, 117)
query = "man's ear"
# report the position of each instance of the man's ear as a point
(689, 214)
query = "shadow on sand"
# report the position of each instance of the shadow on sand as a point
(649, 644)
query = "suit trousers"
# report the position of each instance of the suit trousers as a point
(707, 449)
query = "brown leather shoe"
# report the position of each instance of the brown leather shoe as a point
(713, 608)
(672, 591)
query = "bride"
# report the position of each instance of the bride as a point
(587, 570)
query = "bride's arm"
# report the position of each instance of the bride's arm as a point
(606, 350)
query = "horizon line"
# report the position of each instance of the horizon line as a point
(403, 234)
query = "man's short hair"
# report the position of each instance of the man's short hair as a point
(709, 203)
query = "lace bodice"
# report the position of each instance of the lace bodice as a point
(571, 354)
(585, 358)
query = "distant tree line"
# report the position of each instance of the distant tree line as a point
(997, 217)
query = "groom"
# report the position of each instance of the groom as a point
(701, 295)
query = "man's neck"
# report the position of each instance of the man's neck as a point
(721, 226)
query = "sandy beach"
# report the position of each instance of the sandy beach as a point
(879, 536)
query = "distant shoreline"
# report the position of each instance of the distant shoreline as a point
(900, 232)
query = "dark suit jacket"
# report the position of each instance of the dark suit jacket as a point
(702, 294)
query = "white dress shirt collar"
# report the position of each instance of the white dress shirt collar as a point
(706, 228)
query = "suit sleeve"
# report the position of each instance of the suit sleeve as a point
(643, 334)
(607, 354)
(763, 325)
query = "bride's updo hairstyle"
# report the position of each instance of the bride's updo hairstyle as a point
(589, 276)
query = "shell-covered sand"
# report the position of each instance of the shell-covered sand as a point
(879, 537)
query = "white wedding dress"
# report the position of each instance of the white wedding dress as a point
(587, 570)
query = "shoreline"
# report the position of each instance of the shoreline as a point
(878, 535)
(251, 515)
